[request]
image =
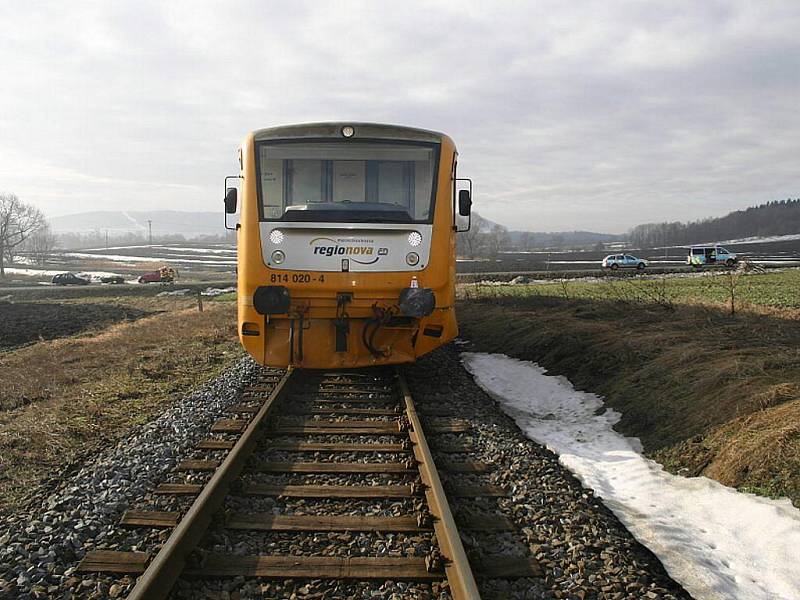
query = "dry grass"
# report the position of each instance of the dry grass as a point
(704, 391)
(759, 452)
(79, 393)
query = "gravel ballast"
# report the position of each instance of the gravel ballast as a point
(582, 548)
(40, 547)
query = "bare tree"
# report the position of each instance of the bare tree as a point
(730, 282)
(526, 241)
(40, 244)
(18, 221)
(472, 240)
(497, 239)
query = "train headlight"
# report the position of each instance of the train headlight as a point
(276, 236)
(412, 258)
(414, 239)
(278, 257)
(348, 131)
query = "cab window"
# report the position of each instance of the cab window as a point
(335, 181)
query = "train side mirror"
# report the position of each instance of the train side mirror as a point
(464, 203)
(230, 201)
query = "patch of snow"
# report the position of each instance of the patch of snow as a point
(715, 541)
(182, 292)
(768, 239)
(215, 250)
(667, 261)
(32, 272)
(133, 221)
(545, 252)
(760, 240)
(155, 259)
(217, 291)
(91, 275)
(203, 250)
(776, 261)
(104, 249)
(96, 275)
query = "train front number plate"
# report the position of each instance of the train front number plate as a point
(296, 278)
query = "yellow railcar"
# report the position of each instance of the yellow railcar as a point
(346, 243)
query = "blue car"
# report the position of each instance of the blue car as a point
(623, 261)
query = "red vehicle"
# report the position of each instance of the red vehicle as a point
(163, 275)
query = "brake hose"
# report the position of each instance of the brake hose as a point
(382, 316)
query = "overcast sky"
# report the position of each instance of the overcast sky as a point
(567, 115)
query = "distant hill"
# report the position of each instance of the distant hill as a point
(164, 222)
(562, 238)
(781, 217)
(524, 240)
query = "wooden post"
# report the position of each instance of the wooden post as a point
(199, 301)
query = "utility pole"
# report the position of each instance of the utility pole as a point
(150, 231)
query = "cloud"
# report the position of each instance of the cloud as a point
(588, 115)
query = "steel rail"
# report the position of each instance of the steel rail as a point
(459, 574)
(162, 572)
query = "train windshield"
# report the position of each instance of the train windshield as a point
(347, 182)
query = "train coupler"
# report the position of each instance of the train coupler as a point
(417, 302)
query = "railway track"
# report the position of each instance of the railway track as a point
(308, 454)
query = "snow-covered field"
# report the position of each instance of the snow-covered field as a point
(32, 272)
(211, 257)
(230, 250)
(92, 275)
(759, 240)
(157, 258)
(717, 542)
(221, 256)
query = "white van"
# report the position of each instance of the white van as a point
(710, 255)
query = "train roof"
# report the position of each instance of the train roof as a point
(362, 130)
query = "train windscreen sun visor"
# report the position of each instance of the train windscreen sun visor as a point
(347, 182)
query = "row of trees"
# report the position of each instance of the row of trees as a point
(487, 239)
(484, 238)
(780, 217)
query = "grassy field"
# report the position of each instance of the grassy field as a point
(707, 392)
(776, 289)
(63, 399)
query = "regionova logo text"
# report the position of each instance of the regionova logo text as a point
(350, 248)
